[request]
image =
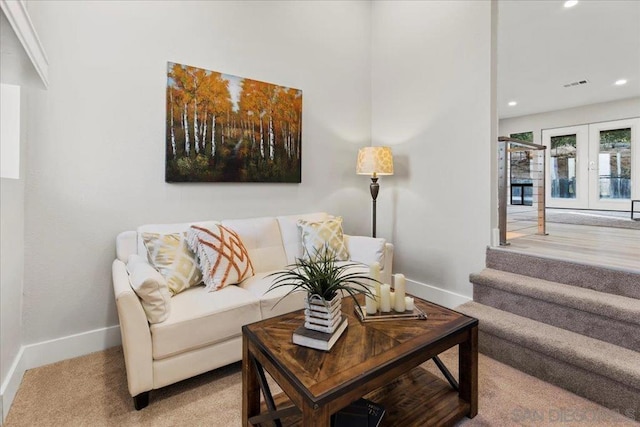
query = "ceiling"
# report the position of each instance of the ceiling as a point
(542, 46)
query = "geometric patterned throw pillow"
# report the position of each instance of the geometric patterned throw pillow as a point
(171, 256)
(318, 235)
(223, 258)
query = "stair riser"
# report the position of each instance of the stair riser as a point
(600, 389)
(589, 324)
(591, 277)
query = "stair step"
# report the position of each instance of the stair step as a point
(607, 317)
(600, 371)
(624, 282)
(596, 302)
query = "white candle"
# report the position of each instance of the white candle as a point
(400, 288)
(385, 298)
(374, 273)
(408, 302)
(392, 298)
(372, 305)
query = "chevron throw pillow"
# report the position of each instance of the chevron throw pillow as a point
(222, 256)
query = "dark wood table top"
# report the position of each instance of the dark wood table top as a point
(361, 353)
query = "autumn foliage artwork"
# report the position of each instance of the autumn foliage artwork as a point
(223, 128)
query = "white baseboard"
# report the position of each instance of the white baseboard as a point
(58, 349)
(437, 295)
(495, 237)
(51, 351)
(12, 383)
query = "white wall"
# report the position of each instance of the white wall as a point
(602, 112)
(9, 131)
(96, 150)
(432, 103)
(12, 210)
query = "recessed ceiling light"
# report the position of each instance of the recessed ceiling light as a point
(621, 82)
(570, 3)
(512, 103)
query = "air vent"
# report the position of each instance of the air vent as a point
(578, 83)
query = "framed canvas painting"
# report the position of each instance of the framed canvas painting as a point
(223, 128)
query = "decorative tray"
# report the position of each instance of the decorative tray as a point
(415, 314)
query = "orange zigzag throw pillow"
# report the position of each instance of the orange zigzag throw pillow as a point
(222, 257)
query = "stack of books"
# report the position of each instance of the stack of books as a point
(319, 340)
(361, 413)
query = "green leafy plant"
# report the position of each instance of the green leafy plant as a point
(322, 275)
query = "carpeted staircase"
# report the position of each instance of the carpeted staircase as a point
(574, 325)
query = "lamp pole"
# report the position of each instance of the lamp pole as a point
(374, 187)
(374, 161)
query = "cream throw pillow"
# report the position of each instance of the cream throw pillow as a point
(316, 235)
(150, 287)
(223, 258)
(171, 256)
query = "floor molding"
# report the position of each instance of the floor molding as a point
(12, 382)
(58, 349)
(437, 295)
(51, 351)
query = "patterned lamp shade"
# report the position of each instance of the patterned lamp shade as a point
(375, 161)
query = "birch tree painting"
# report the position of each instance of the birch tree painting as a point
(223, 128)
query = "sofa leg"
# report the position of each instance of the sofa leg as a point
(141, 401)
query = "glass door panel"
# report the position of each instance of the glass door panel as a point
(563, 166)
(567, 158)
(520, 171)
(613, 165)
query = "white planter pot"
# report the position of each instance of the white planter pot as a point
(321, 315)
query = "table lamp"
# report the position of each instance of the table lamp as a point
(374, 161)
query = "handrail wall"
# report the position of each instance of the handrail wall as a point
(522, 143)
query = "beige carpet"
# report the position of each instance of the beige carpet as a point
(91, 391)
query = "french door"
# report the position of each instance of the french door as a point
(594, 166)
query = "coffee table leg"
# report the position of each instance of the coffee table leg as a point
(315, 417)
(468, 366)
(250, 388)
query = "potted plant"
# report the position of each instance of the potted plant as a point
(325, 281)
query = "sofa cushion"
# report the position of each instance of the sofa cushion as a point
(199, 318)
(261, 237)
(366, 250)
(291, 236)
(151, 287)
(269, 305)
(222, 257)
(318, 236)
(356, 268)
(172, 257)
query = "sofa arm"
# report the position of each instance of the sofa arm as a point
(368, 250)
(134, 328)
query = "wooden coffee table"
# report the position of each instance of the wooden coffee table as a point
(377, 360)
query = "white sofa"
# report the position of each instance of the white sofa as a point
(203, 330)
